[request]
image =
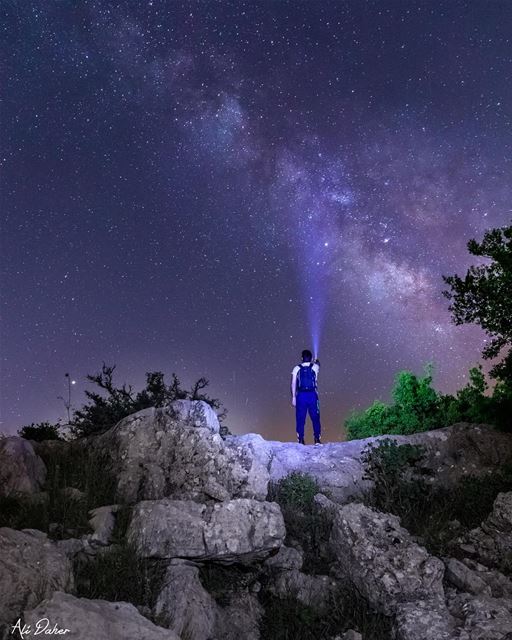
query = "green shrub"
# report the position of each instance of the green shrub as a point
(119, 574)
(40, 431)
(426, 510)
(417, 407)
(77, 481)
(296, 490)
(305, 523)
(389, 466)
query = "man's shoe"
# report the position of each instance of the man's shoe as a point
(301, 440)
(317, 441)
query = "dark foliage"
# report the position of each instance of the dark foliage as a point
(119, 574)
(40, 431)
(484, 296)
(426, 510)
(291, 620)
(305, 523)
(222, 582)
(112, 403)
(417, 407)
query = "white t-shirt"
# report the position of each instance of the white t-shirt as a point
(295, 371)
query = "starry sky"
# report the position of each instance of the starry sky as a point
(197, 186)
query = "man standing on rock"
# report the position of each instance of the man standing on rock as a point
(305, 395)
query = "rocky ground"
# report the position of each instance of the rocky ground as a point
(190, 523)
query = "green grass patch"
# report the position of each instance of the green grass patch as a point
(305, 522)
(119, 574)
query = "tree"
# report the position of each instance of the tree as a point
(40, 431)
(484, 297)
(415, 407)
(111, 404)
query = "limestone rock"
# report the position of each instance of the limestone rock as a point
(176, 451)
(98, 619)
(464, 578)
(31, 568)
(285, 559)
(241, 530)
(198, 414)
(183, 604)
(240, 619)
(500, 586)
(102, 521)
(380, 558)
(312, 591)
(451, 454)
(425, 620)
(484, 617)
(21, 469)
(492, 541)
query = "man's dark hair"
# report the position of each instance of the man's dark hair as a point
(307, 356)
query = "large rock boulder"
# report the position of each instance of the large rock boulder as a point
(21, 469)
(241, 618)
(183, 604)
(94, 619)
(425, 620)
(284, 579)
(240, 530)
(481, 617)
(176, 451)
(381, 560)
(31, 568)
(451, 454)
(187, 608)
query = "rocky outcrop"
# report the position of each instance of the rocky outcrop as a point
(451, 454)
(425, 620)
(31, 569)
(98, 619)
(481, 617)
(240, 530)
(381, 560)
(286, 580)
(240, 618)
(21, 469)
(183, 604)
(176, 451)
(491, 543)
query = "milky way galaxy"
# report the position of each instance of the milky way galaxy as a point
(197, 186)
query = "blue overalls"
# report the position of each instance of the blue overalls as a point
(307, 402)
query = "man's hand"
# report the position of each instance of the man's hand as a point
(294, 401)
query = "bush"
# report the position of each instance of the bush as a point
(305, 523)
(425, 510)
(389, 466)
(113, 403)
(119, 574)
(77, 481)
(24, 512)
(418, 407)
(40, 431)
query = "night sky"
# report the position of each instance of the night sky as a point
(192, 186)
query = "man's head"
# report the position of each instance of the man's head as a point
(307, 356)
